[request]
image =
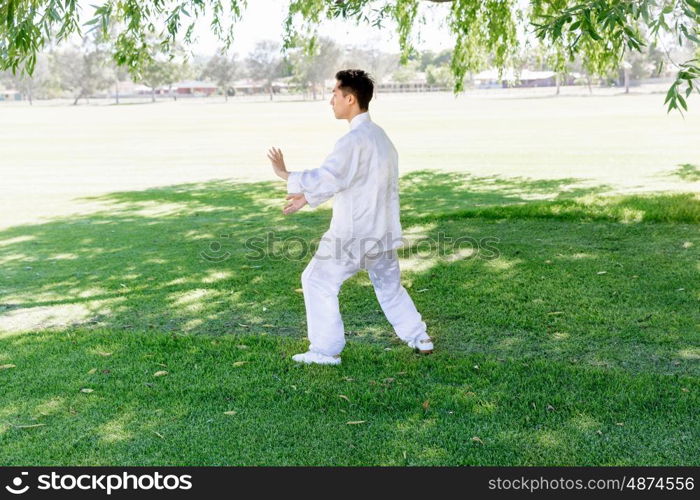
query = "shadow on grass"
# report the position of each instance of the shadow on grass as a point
(569, 281)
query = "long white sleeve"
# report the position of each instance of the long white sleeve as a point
(334, 175)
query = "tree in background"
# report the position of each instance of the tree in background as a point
(437, 68)
(379, 64)
(84, 70)
(162, 68)
(406, 73)
(439, 76)
(82, 73)
(542, 57)
(312, 65)
(430, 58)
(159, 72)
(265, 63)
(639, 65)
(120, 74)
(223, 70)
(108, 41)
(42, 83)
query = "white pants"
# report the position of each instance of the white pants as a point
(321, 281)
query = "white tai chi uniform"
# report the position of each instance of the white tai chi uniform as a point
(362, 172)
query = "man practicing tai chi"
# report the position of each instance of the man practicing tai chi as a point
(362, 172)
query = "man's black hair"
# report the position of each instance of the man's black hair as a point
(358, 83)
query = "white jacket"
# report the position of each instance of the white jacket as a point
(362, 172)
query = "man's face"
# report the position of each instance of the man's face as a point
(341, 103)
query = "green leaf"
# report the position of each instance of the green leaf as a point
(671, 93)
(692, 37)
(695, 5)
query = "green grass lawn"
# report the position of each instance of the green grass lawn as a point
(572, 339)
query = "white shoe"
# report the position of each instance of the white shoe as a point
(423, 346)
(310, 357)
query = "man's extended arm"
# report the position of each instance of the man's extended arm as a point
(335, 174)
(320, 184)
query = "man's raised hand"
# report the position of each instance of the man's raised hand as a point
(277, 160)
(298, 201)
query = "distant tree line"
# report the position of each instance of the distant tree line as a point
(88, 69)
